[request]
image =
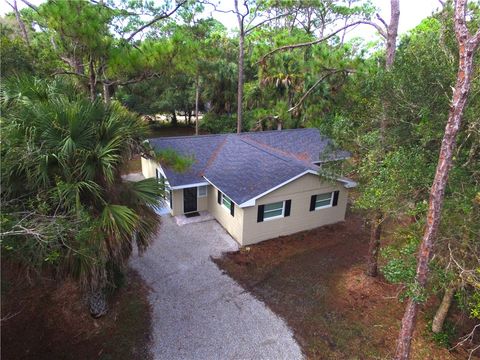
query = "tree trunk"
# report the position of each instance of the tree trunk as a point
(197, 97)
(442, 311)
(174, 118)
(241, 56)
(467, 46)
(107, 97)
(92, 81)
(392, 32)
(391, 47)
(374, 245)
(20, 22)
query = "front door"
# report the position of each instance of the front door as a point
(189, 200)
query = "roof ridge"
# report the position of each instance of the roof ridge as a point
(214, 155)
(189, 136)
(276, 131)
(246, 133)
(287, 156)
(266, 150)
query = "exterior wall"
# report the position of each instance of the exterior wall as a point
(148, 167)
(177, 200)
(301, 218)
(233, 224)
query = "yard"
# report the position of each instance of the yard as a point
(51, 321)
(315, 281)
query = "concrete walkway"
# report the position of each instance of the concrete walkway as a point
(199, 313)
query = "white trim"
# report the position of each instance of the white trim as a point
(325, 206)
(348, 184)
(251, 202)
(277, 216)
(179, 187)
(223, 204)
(160, 170)
(210, 183)
(198, 191)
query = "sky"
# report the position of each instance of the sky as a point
(411, 13)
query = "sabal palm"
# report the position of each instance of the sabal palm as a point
(62, 158)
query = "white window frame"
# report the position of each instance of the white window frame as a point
(324, 206)
(199, 195)
(276, 216)
(223, 204)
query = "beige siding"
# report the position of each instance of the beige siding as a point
(148, 167)
(177, 202)
(202, 202)
(177, 196)
(233, 224)
(299, 191)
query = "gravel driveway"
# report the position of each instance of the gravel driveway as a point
(200, 313)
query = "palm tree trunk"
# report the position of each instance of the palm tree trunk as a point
(97, 303)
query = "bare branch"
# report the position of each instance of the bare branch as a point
(380, 30)
(315, 85)
(310, 43)
(20, 22)
(30, 5)
(382, 21)
(216, 9)
(156, 19)
(476, 40)
(263, 22)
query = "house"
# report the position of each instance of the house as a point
(257, 185)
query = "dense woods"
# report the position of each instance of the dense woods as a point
(82, 81)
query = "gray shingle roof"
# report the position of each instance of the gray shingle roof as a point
(246, 165)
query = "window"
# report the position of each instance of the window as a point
(226, 202)
(273, 211)
(323, 200)
(202, 191)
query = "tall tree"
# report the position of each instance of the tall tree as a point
(467, 46)
(390, 35)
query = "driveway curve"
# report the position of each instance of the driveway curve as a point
(200, 313)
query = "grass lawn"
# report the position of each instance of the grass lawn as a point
(51, 321)
(315, 281)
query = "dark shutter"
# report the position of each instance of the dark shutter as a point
(171, 199)
(335, 198)
(288, 205)
(260, 213)
(232, 208)
(219, 197)
(312, 202)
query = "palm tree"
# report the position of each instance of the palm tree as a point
(66, 206)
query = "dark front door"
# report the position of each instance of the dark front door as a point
(189, 200)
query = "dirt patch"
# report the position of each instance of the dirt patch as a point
(50, 321)
(315, 281)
